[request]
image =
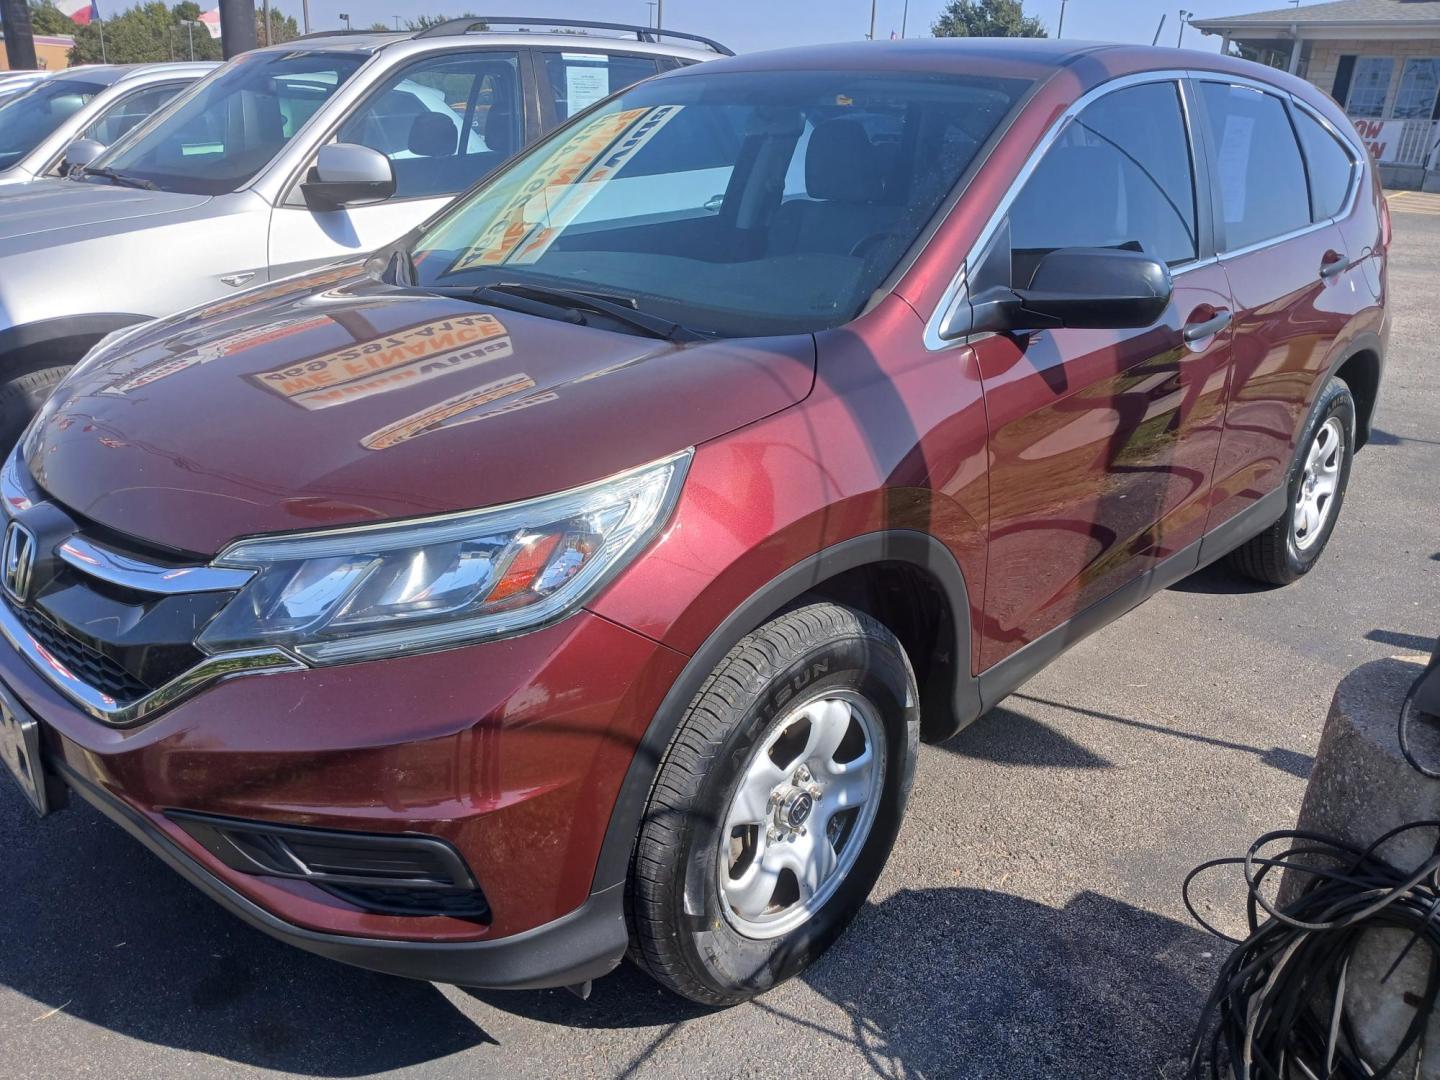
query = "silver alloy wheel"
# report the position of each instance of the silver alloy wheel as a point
(1315, 501)
(800, 815)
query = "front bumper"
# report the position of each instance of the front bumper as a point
(585, 944)
(511, 752)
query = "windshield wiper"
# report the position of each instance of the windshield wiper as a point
(576, 302)
(119, 178)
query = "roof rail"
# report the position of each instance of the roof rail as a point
(642, 33)
(346, 33)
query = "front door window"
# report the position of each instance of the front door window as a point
(444, 122)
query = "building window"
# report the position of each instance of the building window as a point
(1370, 86)
(1415, 100)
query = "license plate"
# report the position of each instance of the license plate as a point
(20, 750)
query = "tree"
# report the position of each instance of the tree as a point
(987, 18)
(282, 28)
(145, 33)
(46, 18)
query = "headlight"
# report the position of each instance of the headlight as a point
(356, 594)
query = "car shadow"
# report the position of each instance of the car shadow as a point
(943, 981)
(1218, 579)
(98, 927)
(1006, 736)
(964, 982)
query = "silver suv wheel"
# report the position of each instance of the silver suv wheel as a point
(801, 813)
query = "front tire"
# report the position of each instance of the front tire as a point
(1291, 547)
(21, 398)
(776, 805)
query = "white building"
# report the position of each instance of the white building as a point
(1380, 59)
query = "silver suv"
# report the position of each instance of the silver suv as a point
(286, 158)
(99, 103)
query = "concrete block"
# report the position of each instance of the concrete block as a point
(1360, 789)
(1402, 177)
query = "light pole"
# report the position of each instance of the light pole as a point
(190, 27)
(905, 18)
(659, 14)
(1183, 16)
(1060, 30)
(397, 21)
(650, 16)
(305, 15)
(871, 35)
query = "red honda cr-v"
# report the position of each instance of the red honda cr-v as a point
(578, 576)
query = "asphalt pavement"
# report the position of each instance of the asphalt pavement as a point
(1029, 923)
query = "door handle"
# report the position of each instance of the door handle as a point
(1333, 264)
(1209, 328)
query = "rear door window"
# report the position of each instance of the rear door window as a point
(574, 81)
(1118, 176)
(1330, 164)
(1257, 161)
(443, 122)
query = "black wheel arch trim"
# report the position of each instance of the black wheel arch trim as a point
(17, 339)
(917, 549)
(1366, 341)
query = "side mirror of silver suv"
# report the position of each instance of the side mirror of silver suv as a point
(80, 153)
(345, 174)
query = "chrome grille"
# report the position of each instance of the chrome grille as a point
(111, 627)
(94, 668)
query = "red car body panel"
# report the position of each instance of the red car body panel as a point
(374, 405)
(1055, 469)
(511, 751)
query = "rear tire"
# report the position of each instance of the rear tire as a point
(775, 807)
(1291, 547)
(21, 398)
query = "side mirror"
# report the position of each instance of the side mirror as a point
(79, 153)
(345, 174)
(1079, 288)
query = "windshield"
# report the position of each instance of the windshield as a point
(733, 204)
(26, 118)
(234, 123)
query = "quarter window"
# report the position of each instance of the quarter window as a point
(443, 122)
(1257, 161)
(1119, 176)
(1370, 86)
(579, 79)
(1330, 164)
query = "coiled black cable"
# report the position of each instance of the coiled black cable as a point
(1279, 1009)
(1265, 1012)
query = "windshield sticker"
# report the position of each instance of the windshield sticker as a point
(455, 411)
(401, 358)
(222, 347)
(562, 186)
(585, 84)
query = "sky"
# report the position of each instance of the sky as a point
(749, 25)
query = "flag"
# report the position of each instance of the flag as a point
(80, 11)
(211, 19)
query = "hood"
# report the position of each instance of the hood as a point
(48, 205)
(360, 402)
